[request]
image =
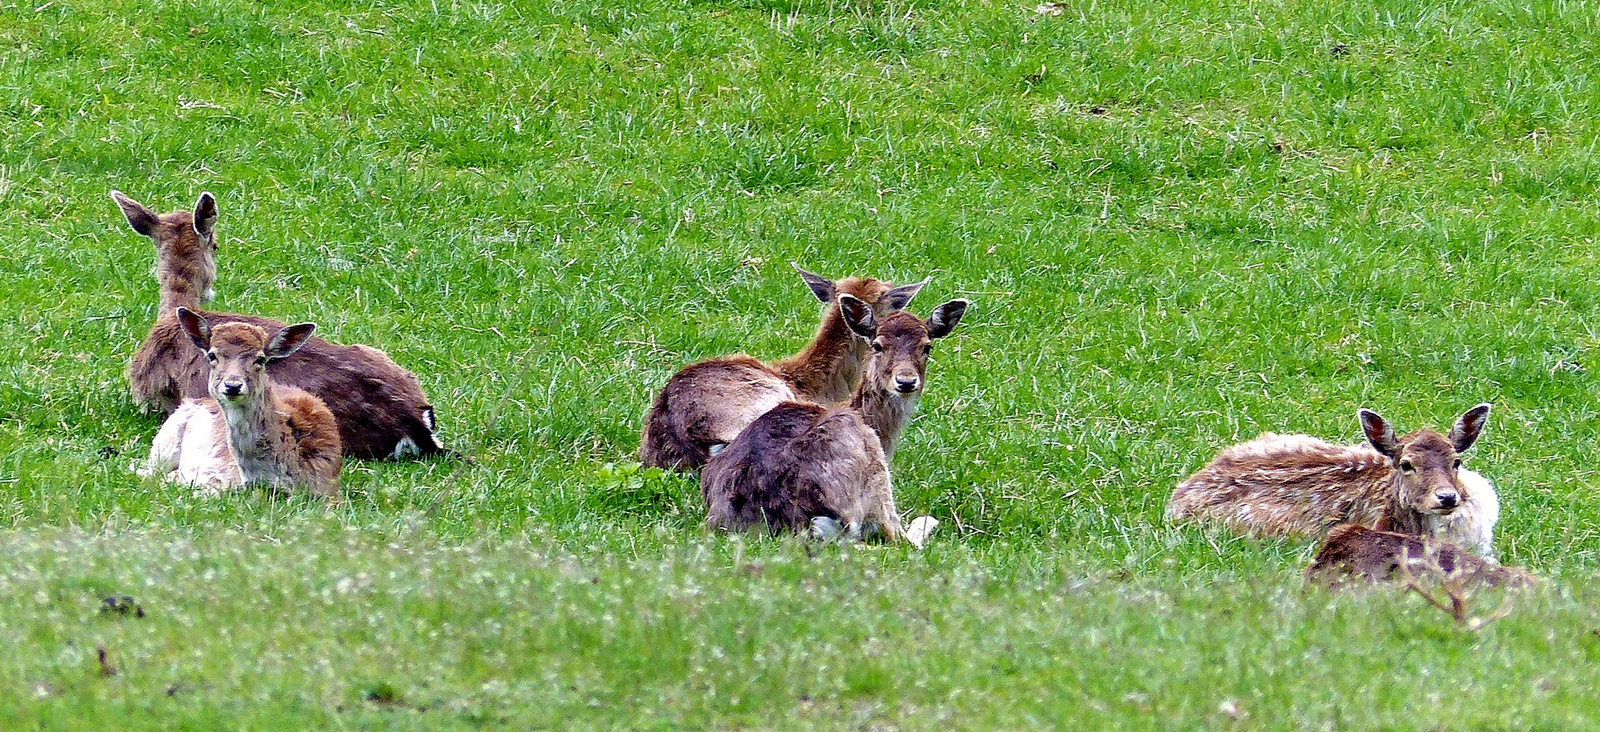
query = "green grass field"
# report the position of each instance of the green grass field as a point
(1180, 224)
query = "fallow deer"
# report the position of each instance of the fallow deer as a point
(380, 406)
(1355, 553)
(250, 430)
(704, 406)
(1296, 485)
(806, 467)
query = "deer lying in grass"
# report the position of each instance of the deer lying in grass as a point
(1297, 485)
(1357, 553)
(704, 406)
(381, 409)
(806, 467)
(250, 430)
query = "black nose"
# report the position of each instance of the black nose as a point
(906, 386)
(232, 389)
(1448, 499)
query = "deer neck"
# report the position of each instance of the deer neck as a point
(185, 279)
(254, 432)
(829, 367)
(178, 290)
(885, 411)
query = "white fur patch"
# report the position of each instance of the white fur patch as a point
(1472, 527)
(406, 448)
(826, 529)
(192, 448)
(918, 530)
(714, 449)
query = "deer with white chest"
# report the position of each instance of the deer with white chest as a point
(275, 435)
(381, 408)
(1297, 485)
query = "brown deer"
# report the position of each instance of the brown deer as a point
(1296, 485)
(250, 430)
(704, 406)
(381, 408)
(810, 468)
(1356, 553)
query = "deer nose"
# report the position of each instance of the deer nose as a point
(906, 385)
(1448, 499)
(232, 388)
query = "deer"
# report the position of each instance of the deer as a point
(381, 409)
(1355, 553)
(250, 430)
(1297, 485)
(705, 405)
(823, 470)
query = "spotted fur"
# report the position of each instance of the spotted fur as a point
(1296, 485)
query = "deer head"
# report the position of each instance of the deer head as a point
(1427, 463)
(186, 244)
(239, 354)
(884, 297)
(901, 343)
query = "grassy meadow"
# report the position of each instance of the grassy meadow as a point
(1181, 223)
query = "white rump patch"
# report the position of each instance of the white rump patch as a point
(406, 448)
(826, 529)
(918, 530)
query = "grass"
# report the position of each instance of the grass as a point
(1180, 223)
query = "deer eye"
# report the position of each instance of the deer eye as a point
(1457, 466)
(212, 357)
(877, 347)
(1406, 466)
(927, 349)
(261, 360)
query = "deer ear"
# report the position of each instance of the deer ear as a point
(944, 318)
(858, 315)
(289, 340)
(1379, 433)
(196, 327)
(1468, 427)
(205, 214)
(142, 219)
(820, 286)
(900, 297)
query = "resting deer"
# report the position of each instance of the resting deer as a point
(805, 467)
(1297, 485)
(704, 406)
(250, 430)
(381, 409)
(1357, 553)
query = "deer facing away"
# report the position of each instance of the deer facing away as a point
(381, 409)
(804, 467)
(705, 405)
(1296, 485)
(250, 430)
